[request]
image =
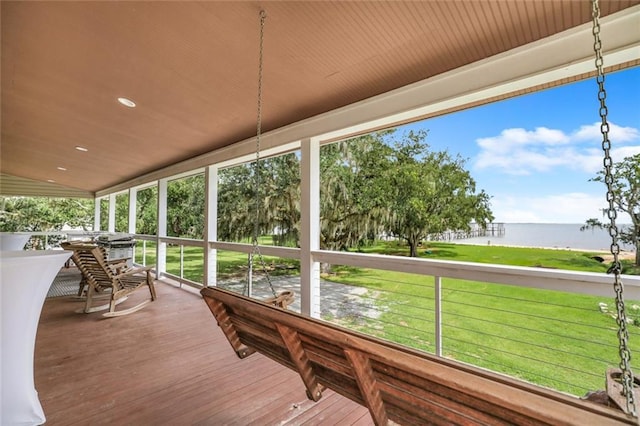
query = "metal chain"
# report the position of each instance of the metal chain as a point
(616, 267)
(256, 247)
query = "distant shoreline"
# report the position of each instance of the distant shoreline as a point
(624, 254)
(545, 235)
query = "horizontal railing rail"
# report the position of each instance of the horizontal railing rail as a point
(286, 252)
(593, 283)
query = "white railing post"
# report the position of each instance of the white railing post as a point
(161, 246)
(211, 225)
(309, 227)
(250, 261)
(437, 285)
(181, 264)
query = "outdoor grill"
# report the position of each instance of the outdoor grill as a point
(118, 246)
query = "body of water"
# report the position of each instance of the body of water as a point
(555, 235)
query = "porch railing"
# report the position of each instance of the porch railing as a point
(552, 327)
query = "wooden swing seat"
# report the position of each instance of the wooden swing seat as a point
(396, 384)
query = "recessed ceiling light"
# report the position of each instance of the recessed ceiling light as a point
(81, 148)
(127, 102)
(51, 181)
(62, 169)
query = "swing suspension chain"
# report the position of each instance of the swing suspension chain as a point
(616, 268)
(256, 168)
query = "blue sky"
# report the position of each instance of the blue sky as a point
(535, 154)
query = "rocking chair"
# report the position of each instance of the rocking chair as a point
(82, 285)
(109, 279)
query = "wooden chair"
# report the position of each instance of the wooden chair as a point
(396, 383)
(112, 280)
(82, 285)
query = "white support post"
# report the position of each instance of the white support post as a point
(161, 247)
(111, 226)
(437, 283)
(309, 227)
(210, 225)
(133, 203)
(96, 214)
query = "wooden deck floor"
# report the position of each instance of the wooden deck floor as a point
(166, 364)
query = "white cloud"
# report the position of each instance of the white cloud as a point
(518, 151)
(522, 137)
(591, 132)
(575, 207)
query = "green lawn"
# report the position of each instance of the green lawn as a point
(516, 256)
(554, 339)
(230, 264)
(551, 338)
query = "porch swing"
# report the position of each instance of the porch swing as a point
(402, 385)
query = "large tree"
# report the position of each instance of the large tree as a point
(147, 211)
(185, 207)
(269, 205)
(368, 185)
(430, 192)
(353, 191)
(280, 181)
(625, 184)
(236, 203)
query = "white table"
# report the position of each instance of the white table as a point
(25, 278)
(13, 240)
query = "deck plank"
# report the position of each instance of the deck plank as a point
(168, 363)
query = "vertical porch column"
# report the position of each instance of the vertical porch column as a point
(161, 247)
(96, 214)
(309, 227)
(111, 226)
(210, 225)
(131, 229)
(133, 204)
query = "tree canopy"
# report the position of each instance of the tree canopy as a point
(352, 191)
(369, 186)
(430, 192)
(625, 184)
(41, 214)
(372, 185)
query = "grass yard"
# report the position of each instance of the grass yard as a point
(550, 338)
(231, 265)
(516, 256)
(554, 339)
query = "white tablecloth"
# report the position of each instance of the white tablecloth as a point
(25, 278)
(13, 240)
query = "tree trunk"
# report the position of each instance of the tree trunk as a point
(413, 248)
(637, 256)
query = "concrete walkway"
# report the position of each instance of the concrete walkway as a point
(337, 301)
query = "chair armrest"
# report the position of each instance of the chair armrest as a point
(118, 265)
(133, 271)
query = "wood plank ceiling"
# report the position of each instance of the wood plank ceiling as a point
(191, 68)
